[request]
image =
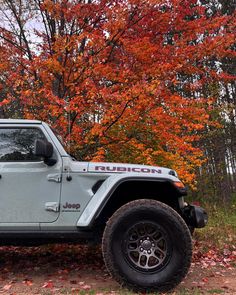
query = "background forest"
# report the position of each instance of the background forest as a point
(150, 82)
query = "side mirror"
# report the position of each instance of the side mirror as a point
(43, 149)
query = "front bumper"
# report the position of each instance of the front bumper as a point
(195, 216)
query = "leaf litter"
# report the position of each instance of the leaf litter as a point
(74, 269)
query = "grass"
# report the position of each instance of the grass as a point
(221, 229)
(216, 291)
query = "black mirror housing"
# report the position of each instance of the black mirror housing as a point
(43, 149)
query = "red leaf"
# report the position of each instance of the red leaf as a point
(48, 284)
(27, 282)
(7, 287)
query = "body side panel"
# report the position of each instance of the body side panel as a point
(76, 193)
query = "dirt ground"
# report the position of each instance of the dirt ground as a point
(66, 269)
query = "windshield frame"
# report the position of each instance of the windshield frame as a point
(63, 144)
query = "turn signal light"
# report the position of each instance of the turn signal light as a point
(179, 184)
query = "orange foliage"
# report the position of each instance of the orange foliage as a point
(118, 70)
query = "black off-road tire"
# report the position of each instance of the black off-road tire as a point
(147, 246)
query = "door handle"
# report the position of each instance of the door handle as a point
(0, 176)
(54, 177)
(52, 206)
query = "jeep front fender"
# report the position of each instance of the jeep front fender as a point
(100, 198)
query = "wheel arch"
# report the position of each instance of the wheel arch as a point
(130, 189)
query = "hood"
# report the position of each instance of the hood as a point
(128, 168)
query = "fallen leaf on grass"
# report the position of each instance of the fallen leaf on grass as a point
(86, 287)
(48, 284)
(222, 257)
(7, 287)
(27, 282)
(205, 280)
(226, 282)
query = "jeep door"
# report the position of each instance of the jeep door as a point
(29, 188)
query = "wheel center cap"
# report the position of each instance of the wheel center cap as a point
(146, 245)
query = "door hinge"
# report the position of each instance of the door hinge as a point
(54, 177)
(52, 206)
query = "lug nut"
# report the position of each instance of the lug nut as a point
(153, 245)
(149, 252)
(141, 249)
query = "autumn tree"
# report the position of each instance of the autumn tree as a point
(217, 177)
(119, 79)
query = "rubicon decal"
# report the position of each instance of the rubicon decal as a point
(126, 169)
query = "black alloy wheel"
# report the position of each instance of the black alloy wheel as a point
(146, 246)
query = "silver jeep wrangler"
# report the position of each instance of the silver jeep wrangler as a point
(137, 212)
